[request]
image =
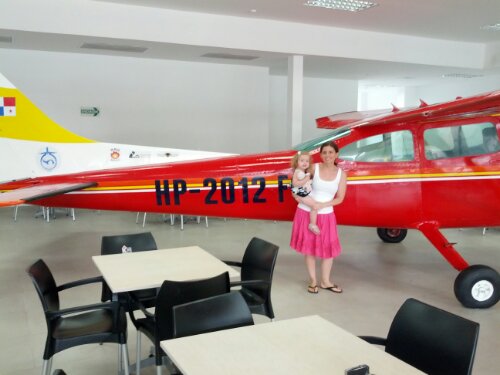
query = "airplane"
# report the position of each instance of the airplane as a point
(33, 145)
(426, 168)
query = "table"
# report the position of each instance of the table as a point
(306, 345)
(127, 272)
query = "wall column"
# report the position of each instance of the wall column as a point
(295, 98)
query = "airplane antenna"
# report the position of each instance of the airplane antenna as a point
(423, 104)
(394, 108)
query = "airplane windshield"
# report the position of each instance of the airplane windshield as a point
(317, 142)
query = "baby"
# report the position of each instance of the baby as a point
(302, 185)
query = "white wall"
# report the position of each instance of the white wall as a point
(447, 89)
(202, 106)
(322, 97)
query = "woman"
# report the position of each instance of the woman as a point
(329, 186)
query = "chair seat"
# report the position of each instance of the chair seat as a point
(251, 298)
(147, 298)
(98, 321)
(146, 326)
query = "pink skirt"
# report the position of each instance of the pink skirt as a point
(324, 245)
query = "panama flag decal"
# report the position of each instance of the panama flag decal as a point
(7, 106)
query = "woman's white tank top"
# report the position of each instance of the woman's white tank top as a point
(323, 191)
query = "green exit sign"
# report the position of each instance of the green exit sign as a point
(89, 111)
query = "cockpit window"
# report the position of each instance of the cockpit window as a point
(388, 147)
(464, 140)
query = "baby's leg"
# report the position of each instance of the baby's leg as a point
(313, 215)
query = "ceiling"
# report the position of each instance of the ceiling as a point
(446, 21)
(459, 20)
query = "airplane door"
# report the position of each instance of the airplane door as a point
(461, 159)
(380, 178)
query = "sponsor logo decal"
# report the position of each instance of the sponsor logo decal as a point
(115, 154)
(48, 159)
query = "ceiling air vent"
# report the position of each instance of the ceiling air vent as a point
(5, 39)
(229, 56)
(112, 47)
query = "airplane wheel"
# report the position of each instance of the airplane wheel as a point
(477, 287)
(391, 235)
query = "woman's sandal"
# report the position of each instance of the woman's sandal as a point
(334, 288)
(312, 289)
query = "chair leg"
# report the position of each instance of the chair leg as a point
(15, 213)
(126, 364)
(138, 354)
(144, 220)
(120, 360)
(206, 221)
(182, 222)
(47, 364)
(137, 218)
(73, 214)
(158, 370)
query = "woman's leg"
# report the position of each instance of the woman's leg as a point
(326, 269)
(311, 269)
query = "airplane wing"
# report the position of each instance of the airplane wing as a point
(485, 104)
(346, 118)
(24, 195)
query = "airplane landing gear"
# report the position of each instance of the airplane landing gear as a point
(477, 286)
(392, 235)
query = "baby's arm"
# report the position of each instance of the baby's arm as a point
(297, 181)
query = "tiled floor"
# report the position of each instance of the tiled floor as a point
(376, 278)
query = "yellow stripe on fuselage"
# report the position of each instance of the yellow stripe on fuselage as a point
(420, 175)
(31, 124)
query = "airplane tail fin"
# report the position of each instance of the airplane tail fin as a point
(23, 120)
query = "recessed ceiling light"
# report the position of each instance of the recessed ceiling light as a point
(494, 27)
(348, 5)
(5, 39)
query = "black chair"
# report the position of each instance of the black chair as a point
(257, 268)
(225, 311)
(66, 328)
(432, 340)
(129, 243)
(159, 327)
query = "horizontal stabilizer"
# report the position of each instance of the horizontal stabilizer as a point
(32, 193)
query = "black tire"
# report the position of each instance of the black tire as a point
(477, 287)
(392, 235)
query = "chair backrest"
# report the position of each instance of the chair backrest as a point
(174, 293)
(211, 314)
(258, 263)
(130, 242)
(135, 242)
(45, 285)
(433, 340)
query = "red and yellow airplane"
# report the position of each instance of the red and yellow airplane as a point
(432, 167)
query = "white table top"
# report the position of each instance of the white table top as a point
(307, 345)
(148, 269)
